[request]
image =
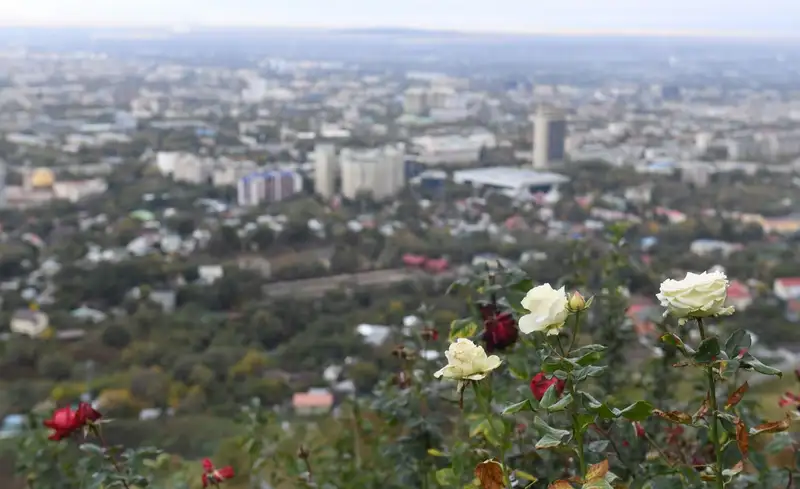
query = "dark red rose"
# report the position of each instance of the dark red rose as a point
(499, 328)
(214, 476)
(66, 421)
(540, 384)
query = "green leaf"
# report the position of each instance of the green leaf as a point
(738, 340)
(550, 397)
(524, 475)
(590, 358)
(561, 405)
(523, 285)
(517, 407)
(674, 340)
(749, 362)
(584, 420)
(583, 373)
(435, 453)
(598, 446)
(446, 477)
(599, 408)
(728, 368)
(92, 448)
(638, 411)
(708, 351)
(551, 437)
(585, 350)
(552, 365)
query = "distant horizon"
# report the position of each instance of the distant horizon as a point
(659, 18)
(178, 28)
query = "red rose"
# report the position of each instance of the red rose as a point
(214, 476)
(639, 429)
(66, 421)
(499, 328)
(540, 384)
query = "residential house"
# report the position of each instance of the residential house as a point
(703, 247)
(787, 288)
(166, 298)
(255, 263)
(373, 334)
(210, 273)
(88, 314)
(12, 425)
(29, 323)
(315, 402)
(739, 296)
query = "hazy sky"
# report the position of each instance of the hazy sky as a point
(757, 16)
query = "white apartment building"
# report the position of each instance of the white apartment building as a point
(326, 167)
(379, 173)
(453, 150)
(268, 186)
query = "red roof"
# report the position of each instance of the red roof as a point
(307, 399)
(439, 265)
(738, 290)
(413, 260)
(788, 281)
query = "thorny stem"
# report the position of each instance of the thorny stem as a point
(576, 429)
(607, 436)
(307, 462)
(658, 449)
(111, 458)
(487, 409)
(712, 395)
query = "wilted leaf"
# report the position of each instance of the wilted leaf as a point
(742, 438)
(674, 416)
(737, 395)
(597, 484)
(702, 411)
(490, 473)
(597, 471)
(736, 469)
(561, 484)
(773, 427)
(462, 328)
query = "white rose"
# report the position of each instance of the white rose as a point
(467, 361)
(548, 310)
(696, 296)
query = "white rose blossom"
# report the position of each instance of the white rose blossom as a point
(696, 296)
(467, 361)
(548, 310)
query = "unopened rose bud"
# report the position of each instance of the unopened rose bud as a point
(576, 302)
(302, 453)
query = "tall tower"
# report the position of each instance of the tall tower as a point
(549, 137)
(325, 169)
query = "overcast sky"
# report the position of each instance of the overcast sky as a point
(755, 16)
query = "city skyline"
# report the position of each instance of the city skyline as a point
(768, 18)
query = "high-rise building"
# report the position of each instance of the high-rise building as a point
(325, 169)
(267, 186)
(415, 101)
(549, 137)
(379, 173)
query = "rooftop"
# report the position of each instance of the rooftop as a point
(508, 177)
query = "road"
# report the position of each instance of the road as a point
(316, 287)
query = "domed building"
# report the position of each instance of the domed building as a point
(42, 178)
